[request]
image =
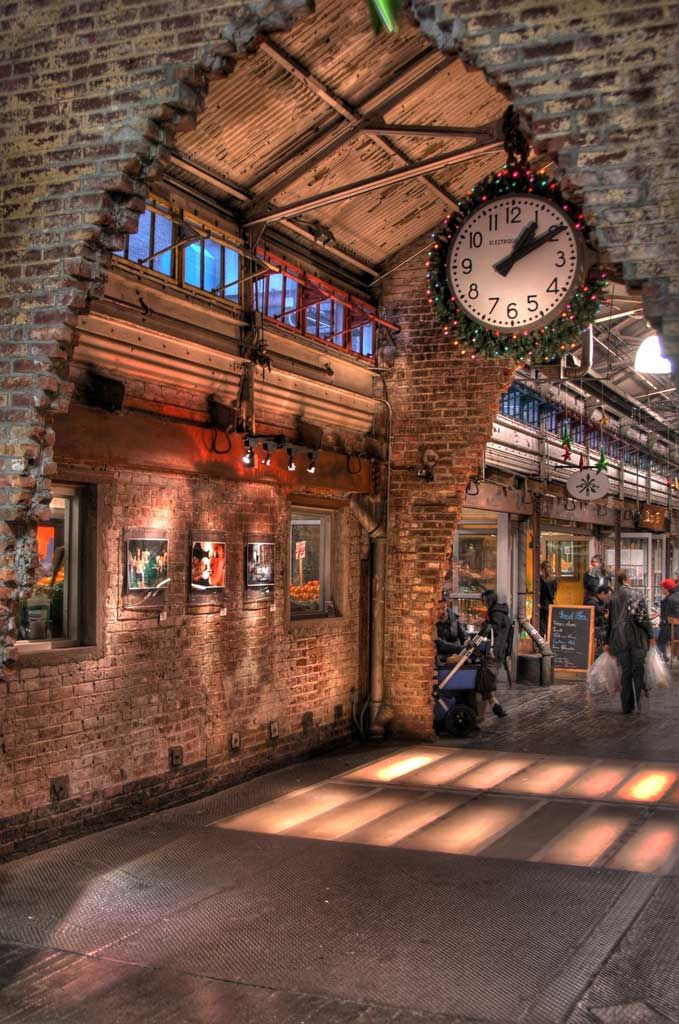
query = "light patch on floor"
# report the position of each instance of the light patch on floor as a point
(457, 801)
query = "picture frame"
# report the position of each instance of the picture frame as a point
(145, 562)
(207, 568)
(260, 566)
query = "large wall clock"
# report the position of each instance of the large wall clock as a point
(512, 273)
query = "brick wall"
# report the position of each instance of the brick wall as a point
(93, 100)
(598, 81)
(444, 402)
(107, 716)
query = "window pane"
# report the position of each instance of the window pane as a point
(356, 339)
(291, 301)
(338, 326)
(368, 336)
(473, 566)
(231, 274)
(138, 248)
(192, 262)
(311, 320)
(325, 327)
(43, 616)
(307, 558)
(275, 303)
(260, 294)
(163, 233)
(212, 265)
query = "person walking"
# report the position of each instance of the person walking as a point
(498, 623)
(629, 635)
(599, 602)
(548, 588)
(669, 609)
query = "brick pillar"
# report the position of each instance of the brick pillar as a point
(445, 402)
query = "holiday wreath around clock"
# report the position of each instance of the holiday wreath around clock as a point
(511, 273)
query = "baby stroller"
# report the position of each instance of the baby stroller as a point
(454, 690)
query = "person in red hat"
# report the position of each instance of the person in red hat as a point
(669, 609)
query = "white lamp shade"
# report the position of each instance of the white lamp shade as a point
(648, 358)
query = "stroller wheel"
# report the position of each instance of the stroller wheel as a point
(460, 720)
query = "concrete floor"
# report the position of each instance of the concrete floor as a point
(485, 880)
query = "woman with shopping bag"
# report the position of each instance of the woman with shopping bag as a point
(629, 636)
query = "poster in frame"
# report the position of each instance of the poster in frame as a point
(145, 568)
(260, 566)
(207, 568)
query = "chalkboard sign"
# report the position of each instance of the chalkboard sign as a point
(570, 634)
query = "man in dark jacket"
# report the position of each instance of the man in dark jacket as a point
(499, 621)
(629, 635)
(596, 575)
(600, 602)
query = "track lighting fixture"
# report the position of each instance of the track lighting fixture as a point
(266, 458)
(291, 461)
(311, 468)
(249, 456)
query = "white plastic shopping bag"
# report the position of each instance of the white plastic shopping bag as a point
(656, 672)
(604, 675)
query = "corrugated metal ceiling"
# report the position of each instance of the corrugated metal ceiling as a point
(261, 114)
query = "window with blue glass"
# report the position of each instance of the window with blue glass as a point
(212, 267)
(363, 338)
(151, 246)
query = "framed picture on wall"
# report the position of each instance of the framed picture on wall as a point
(146, 572)
(260, 567)
(207, 568)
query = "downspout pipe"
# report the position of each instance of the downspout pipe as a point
(370, 511)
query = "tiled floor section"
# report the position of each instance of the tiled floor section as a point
(553, 810)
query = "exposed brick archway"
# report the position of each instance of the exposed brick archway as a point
(95, 121)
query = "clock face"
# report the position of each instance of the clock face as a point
(515, 262)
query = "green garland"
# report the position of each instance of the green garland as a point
(544, 344)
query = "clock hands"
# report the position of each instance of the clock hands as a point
(527, 243)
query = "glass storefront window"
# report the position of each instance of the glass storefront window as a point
(310, 584)
(642, 557)
(473, 566)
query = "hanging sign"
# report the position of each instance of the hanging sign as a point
(652, 517)
(587, 485)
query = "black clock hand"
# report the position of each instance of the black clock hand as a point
(524, 236)
(506, 264)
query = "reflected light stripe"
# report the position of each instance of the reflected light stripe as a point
(393, 767)
(468, 829)
(647, 786)
(339, 821)
(288, 811)
(649, 850)
(596, 782)
(494, 772)
(543, 778)
(401, 823)
(447, 770)
(583, 843)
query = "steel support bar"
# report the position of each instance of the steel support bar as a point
(355, 119)
(487, 132)
(315, 141)
(358, 188)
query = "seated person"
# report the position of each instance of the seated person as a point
(600, 601)
(450, 635)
